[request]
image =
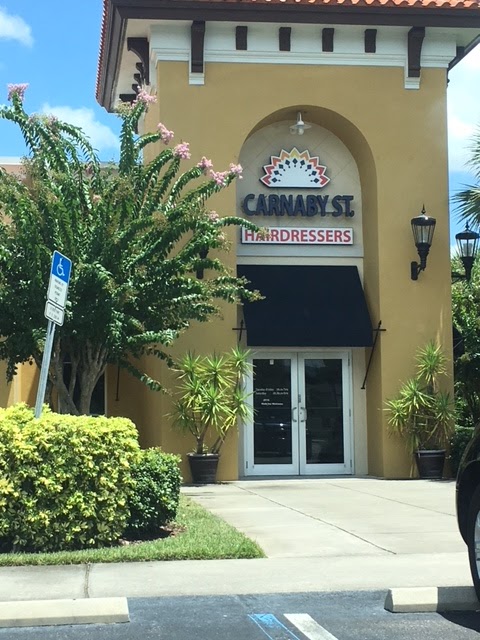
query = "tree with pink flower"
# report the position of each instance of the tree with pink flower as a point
(138, 235)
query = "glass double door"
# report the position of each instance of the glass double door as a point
(301, 414)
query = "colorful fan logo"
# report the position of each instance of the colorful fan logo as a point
(292, 169)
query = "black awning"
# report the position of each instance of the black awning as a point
(306, 307)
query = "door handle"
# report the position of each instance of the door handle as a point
(293, 414)
(304, 415)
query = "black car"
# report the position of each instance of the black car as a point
(468, 504)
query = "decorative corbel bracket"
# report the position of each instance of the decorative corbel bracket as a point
(414, 55)
(197, 49)
(241, 38)
(370, 41)
(327, 39)
(284, 39)
(127, 97)
(141, 48)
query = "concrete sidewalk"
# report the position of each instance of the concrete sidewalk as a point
(339, 516)
(319, 535)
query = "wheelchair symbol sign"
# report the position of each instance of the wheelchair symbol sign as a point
(58, 287)
(61, 267)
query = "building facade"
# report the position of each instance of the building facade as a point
(337, 113)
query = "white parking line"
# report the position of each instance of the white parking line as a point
(307, 625)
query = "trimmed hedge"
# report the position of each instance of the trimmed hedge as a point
(154, 501)
(64, 480)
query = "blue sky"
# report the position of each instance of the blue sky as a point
(53, 45)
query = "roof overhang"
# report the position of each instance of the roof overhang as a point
(118, 13)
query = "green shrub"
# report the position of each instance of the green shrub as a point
(461, 437)
(154, 501)
(64, 480)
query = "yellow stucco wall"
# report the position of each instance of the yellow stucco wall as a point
(398, 138)
(23, 387)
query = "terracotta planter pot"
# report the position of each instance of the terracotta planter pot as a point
(203, 467)
(430, 463)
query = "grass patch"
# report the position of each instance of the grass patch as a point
(200, 536)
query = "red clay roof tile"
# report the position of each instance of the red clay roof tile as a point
(467, 4)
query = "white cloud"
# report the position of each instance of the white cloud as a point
(459, 140)
(14, 28)
(463, 108)
(101, 136)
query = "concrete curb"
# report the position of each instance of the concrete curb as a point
(56, 612)
(427, 599)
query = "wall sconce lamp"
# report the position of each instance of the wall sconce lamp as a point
(467, 245)
(423, 227)
(202, 254)
(298, 129)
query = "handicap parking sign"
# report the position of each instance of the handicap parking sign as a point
(60, 272)
(61, 267)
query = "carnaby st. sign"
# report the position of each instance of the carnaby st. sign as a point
(308, 206)
(296, 170)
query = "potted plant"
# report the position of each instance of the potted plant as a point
(423, 414)
(210, 400)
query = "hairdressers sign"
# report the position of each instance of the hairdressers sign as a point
(298, 170)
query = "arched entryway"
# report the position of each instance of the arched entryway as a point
(308, 336)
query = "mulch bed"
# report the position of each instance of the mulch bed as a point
(129, 538)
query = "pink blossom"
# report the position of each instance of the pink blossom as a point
(145, 97)
(214, 217)
(124, 108)
(205, 165)
(16, 90)
(236, 169)
(165, 134)
(263, 234)
(182, 151)
(219, 177)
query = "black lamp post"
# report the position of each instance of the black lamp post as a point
(422, 227)
(202, 254)
(467, 245)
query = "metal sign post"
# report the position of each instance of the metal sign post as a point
(47, 354)
(54, 312)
